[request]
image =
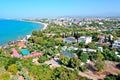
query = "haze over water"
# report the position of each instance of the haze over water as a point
(13, 29)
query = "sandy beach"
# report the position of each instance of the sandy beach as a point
(44, 24)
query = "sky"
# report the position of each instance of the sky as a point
(58, 8)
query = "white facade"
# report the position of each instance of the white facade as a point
(117, 53)
(28, 36)
(100, 48)
(116, 44)
(85, 39)
(88, 50)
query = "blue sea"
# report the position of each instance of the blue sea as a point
(13, 29)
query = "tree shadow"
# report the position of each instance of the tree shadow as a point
(91, 68)
(118, 66)
(58, 61)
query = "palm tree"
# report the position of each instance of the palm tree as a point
(76, 35)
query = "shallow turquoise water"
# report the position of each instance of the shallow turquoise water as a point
(12, 29)
(25, 52)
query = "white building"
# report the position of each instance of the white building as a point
(117, 53)
(72, 48)
(86, 39)
(88, 50)
(116, 44)
(28, 36)
(100, 48)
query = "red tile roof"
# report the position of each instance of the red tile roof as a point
(34, 54)
(21, 44)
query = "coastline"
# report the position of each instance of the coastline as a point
(44, 24)
(24, 38)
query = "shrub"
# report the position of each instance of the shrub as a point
(43, 59)
(83, 68)
(13, 68)
(5, 76)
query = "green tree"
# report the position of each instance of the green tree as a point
(118, 33)
(84, 57)
(76, 35)
(42, 59)
(83, 68)
(110, 55)
(100, 56)
(5, 76)
(91, 45)
(99, 62)
(75, 62)
(64, 60)
(13, 68)
(82, 44)
(2, 53)
(11, 61)
(63, 76)
(14, 77)
(99, 65)
(19, 65)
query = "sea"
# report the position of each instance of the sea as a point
(11, 30)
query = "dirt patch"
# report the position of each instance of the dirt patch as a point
(109, 68)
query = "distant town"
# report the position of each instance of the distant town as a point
(65, 49)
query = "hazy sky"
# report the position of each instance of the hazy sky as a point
(56, 8)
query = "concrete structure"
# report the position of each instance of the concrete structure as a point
(88, 50)
(72, 48)
(28, 36)
(116, 44)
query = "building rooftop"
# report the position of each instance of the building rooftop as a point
(67, 54)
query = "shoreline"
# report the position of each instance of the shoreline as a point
(40, 23)
(44, 24)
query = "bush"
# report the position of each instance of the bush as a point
(19, 65)
(65, 60)
(76, 71)
(99, 65)
(13, 68)
(75, 62)
(25, 74)
(43, 59)
(2, 69)
(14, 78)
(83, 68)
(112, 77)
(84, 57)
(5, 76)
(11, 61)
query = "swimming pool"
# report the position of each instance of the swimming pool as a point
(67, 54)
(25, 52)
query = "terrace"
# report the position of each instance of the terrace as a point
(34, 54)
(15, 53)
